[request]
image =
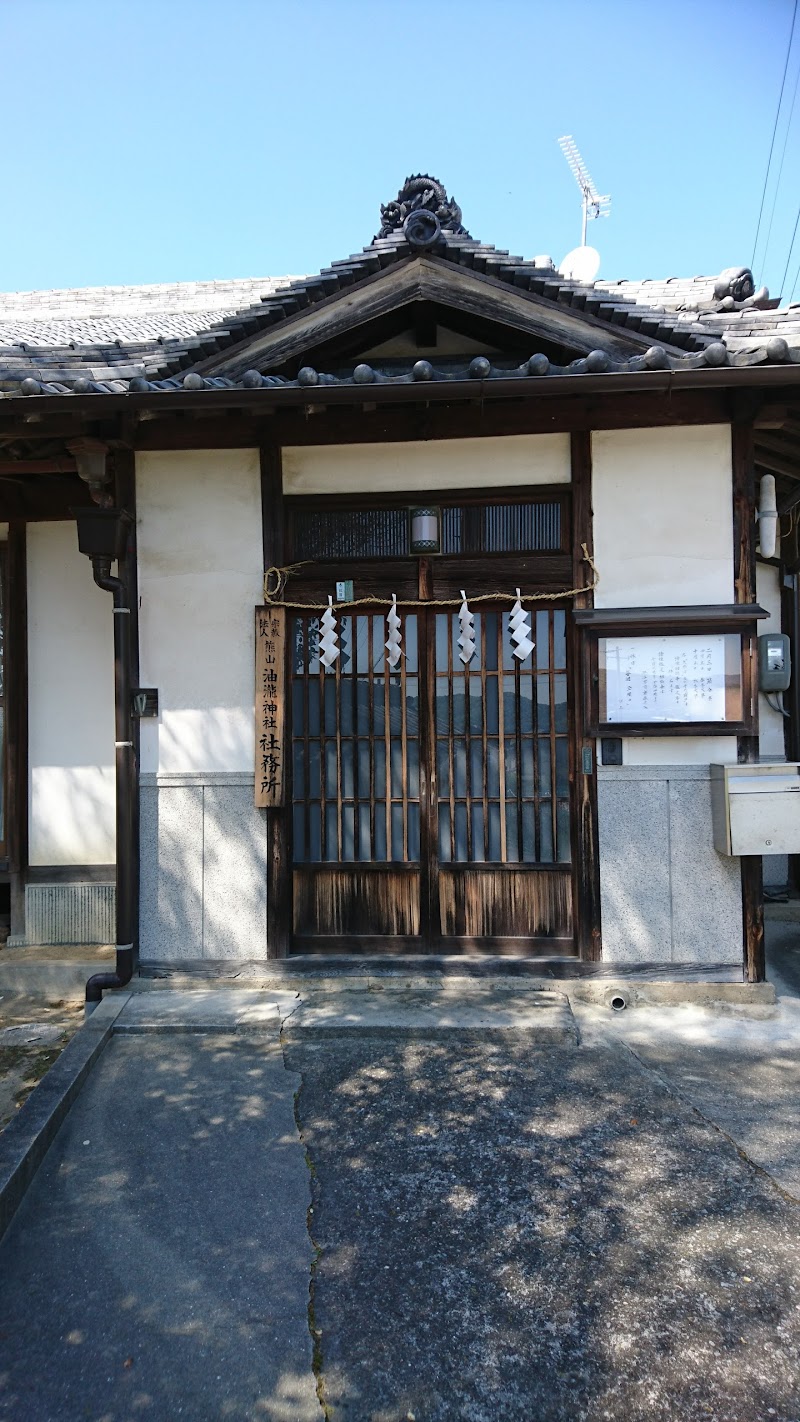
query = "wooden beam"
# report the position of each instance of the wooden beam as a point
(48, 496)
(279, 870)
(585, 839)
(124, 474)
(742, 449)
(22, 467)
(16, 683)
(532, 413)
(789, 468)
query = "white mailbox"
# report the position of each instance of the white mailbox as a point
(756, 808)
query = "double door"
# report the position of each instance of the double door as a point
(431, 803)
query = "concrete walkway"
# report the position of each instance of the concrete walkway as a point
(508, 1209)
(159, 1265)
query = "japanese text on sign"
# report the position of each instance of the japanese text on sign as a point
(270, 662)
(665, 678)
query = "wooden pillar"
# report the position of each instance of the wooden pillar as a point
(16, 700)
(125, 498)
(585, 838)
(279, 869)
(744, 553)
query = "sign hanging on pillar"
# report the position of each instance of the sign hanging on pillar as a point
(270, 706)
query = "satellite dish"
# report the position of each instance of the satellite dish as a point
(581, 264)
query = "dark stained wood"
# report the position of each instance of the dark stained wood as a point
(535, 410)
(270, 707)
(585, 827)
(124, 475)
(476, 901)
(546, 572)
(743, 514)
(554, 948)
(540, 572)
(22, 467)
(744, 553)
(279, 884)
(342, 900)
(429, 863)
(43, 497)
(725, 617)
(16, 696)
(425, 280)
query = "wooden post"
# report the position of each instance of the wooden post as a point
(16, 669)
(744, 553)
(585, 839)
(279, 871)
(125, 498)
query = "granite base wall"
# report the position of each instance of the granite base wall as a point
(666, 895)
(203, 867)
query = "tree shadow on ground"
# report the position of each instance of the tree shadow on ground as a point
(538, 1234)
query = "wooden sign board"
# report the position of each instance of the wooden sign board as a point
(270, 706)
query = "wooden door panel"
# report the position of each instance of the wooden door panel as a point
(348, 900)
(505, 903)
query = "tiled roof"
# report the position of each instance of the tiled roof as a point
(104, 337)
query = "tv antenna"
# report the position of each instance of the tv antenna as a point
(592, 204)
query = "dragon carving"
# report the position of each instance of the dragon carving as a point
(421, 211)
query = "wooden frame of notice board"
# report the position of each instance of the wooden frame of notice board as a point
(669, 671)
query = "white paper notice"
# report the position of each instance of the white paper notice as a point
(665, 678)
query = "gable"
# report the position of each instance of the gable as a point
(418, 293)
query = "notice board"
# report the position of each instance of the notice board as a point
(659, 680)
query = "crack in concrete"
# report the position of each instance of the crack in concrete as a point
(681, 1096)
(314, 1332)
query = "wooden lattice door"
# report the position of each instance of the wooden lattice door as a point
(431, 804)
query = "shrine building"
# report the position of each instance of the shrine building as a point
(437, 604)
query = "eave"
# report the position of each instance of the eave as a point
(514, 387)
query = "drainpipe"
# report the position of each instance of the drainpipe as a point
(123, 742)
(103, 536)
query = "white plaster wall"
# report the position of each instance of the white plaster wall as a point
(679, 750)
(71, 701)
(663, 523)
(421, 465)
(200, 576)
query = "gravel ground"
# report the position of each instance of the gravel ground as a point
(549, 1234)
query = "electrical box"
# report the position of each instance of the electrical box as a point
(774, 662)
(756, 808)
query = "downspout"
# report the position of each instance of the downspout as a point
(102, 537)
(101, 569)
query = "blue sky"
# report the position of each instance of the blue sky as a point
(161, 140)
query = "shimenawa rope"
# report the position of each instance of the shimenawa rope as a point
(276, 580)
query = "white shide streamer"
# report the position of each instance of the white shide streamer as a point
(520, 627)
(466, 640)
(394, 642)
(329, 641)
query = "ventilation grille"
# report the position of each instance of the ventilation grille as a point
(351, 533)
(70, 913)
(501, 528)
(465, 528)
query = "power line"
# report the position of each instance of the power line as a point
(780, 174)
(774, 131)
(789, 258)
(794, 284)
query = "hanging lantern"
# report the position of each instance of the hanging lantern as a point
(329, 641)
(424, 532)
(519, 624)
(394, 642)
(466, 640)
